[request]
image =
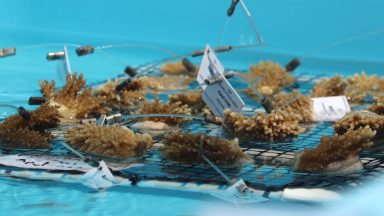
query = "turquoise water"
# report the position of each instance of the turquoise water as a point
(290, 28)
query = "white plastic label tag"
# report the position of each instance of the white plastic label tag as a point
(330, 108)
(44, 162)
(100, 177)
(219, 95)
(239, 193)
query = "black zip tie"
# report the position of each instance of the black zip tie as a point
(292, 65)
(24, 113)
(188, 65)
(123, 84)
(85, 50)
(232, 7)
(5, 52)
(218, 50)
(267, 104)
(134, 179)
(130, 71)
(55, 55)
(223, 49)
(37, 100)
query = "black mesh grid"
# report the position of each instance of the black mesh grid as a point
(269, 164)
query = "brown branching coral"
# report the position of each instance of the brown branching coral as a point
(377, 108)
(22, 138)
(170, 108)
(359, 86)
(15, 131)
(125, 99)
(110, 141)
(357, 120)
(185, 148)
(268, 78)
(356, 87)
(175, 68)
(165, 82)
(336, 86)
(274, 126)
(193, 99)
(296, 103)
(73, 100)
(335, 153)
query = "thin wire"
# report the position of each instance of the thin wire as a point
(252, 21)
(9, 106)
(48, 44)
(137, 45)
(341, 42)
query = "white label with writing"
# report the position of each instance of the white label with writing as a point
(220, 95)
(330, 108)
(100, 177)
(239, 193)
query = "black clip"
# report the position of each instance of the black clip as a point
(85, 50)
(55, 55)
(188, 65)
(232, 7)
(123, 84)
(37, 100)
(292, 65)
(24, 113)
(130, 71)
(5, 52)
(267, 104)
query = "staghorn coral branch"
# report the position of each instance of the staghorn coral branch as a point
(170, 108)
(126, 99)
(274, 126)
(295, 103)
(174, 68)
(109, 141)
(16, 132)
(335, 86)
(193, 99)
(73, 100)
(356, 120)
(268, 78)
(184, 148)
(334, 149)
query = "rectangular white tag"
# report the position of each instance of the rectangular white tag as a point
(219, 95)
(100, 177)
(330, 108)
(237, 195)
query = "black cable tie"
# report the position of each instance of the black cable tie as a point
(24, 113)
(197, 53)
(123, 84)
(85, 50)
(37, 100)
(223, 49)
(5, 52)
(188, 65)
(267, 104)
(292, 65)
(55, 55)
(130, 71)
(232, 7)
